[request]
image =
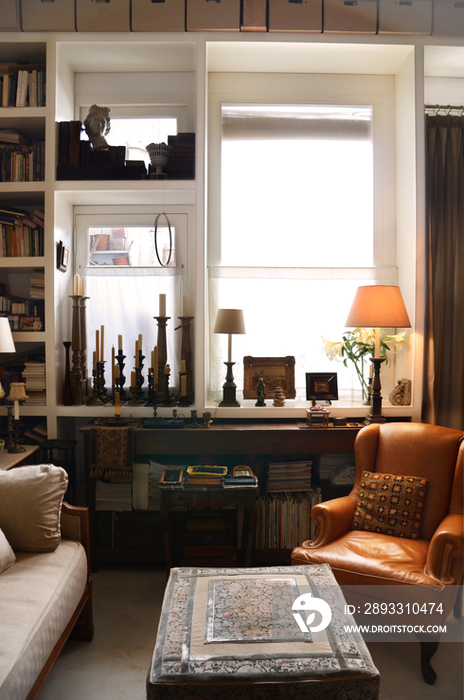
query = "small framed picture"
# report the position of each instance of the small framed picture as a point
(242, 471)
(30, 323)
(322, 386)
(62, 256)
(172, 476)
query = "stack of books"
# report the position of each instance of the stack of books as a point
(34, 379)
(113, 496)
(181, 161)
(37, 285)
(289, 476)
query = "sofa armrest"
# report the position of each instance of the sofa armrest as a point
(446, 544)
(333, 519)
(75, 526)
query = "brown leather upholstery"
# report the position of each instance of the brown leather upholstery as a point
(358, 557)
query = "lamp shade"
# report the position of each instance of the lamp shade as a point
(17, 392)
(229, 321)
(6, 339)
(378, 306)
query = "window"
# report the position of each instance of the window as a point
(300, 214)
(126, 269)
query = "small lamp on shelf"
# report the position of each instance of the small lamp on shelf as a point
(377, 306)
(229, 321)
(6, 343)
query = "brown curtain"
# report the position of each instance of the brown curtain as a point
(444, 328)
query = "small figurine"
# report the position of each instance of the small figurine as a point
(401, 394)
(97, 125)
(260, 392)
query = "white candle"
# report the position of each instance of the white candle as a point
(119, 342)
(112, 365)
(97, 344)
(16, 409)
(76, 285)
(162, 304)
(136, 354)
(102, 353)
(185, 305)
(183, 385)
(140, 342)
(82, 287)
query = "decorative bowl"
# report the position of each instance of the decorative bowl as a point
(158, 153)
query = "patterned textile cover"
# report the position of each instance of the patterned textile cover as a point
(230, 633)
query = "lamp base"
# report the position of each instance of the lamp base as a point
(375, 416)
(229, 388)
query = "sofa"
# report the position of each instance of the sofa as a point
(45, 582)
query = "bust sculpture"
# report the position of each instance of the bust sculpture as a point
(97, 125)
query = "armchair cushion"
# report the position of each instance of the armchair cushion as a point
(7, 556)
(391, 504)
(30, 506)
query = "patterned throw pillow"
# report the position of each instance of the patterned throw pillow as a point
(391, 504)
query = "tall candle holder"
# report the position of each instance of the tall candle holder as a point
(186, 355)
(167, 398)
(95, 399)
(9, 441)
(139, 378)
(120, 357)
(101, 386)
(76, 371)
(83, 345)
(162, 352)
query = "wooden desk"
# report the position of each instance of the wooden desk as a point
(9, 460)
(249, 439)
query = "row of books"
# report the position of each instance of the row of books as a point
(37, 285)
(17, 306)
(20, 240)
(22, 162)
(181, 159)
(289, 476)
(22, 85)
(284, 519)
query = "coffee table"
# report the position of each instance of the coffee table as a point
(230, 633)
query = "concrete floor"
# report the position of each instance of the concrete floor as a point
(127, 603)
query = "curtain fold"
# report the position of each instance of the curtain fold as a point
(444, 327)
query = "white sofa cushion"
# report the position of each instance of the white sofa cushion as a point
(30, 506)
(38, 595)
(7, 556)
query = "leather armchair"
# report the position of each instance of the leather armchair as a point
(431, 566)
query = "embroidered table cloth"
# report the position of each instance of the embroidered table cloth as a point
(232, 634)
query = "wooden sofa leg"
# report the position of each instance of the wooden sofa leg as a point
(429, 646)
(83, 629)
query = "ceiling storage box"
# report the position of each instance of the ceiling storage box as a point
(9, 16)
(166, 16)
(295, 16)
(405, 17)
(48, 15)
(350, 16)
(448, 18)
(213, 15)
(103, 15)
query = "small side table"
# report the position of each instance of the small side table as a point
(210, 497)
(318, 416)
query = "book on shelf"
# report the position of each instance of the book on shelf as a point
(21, 240)
(37, 285)
(33, 376)
(22, 85)
(284, 519)
(22, 162)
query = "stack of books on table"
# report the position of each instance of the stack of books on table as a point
(34, 379)
(289, 476)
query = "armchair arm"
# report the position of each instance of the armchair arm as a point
(445, 545)
(333, 519)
